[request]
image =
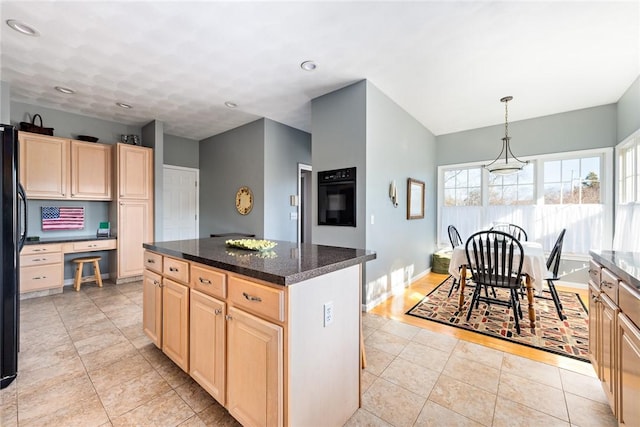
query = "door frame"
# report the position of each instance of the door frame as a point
(197, 171)
(307, 217)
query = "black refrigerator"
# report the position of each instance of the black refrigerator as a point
(13, 230)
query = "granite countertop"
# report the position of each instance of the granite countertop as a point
(625, 265)
(67, 239)
(286, 264)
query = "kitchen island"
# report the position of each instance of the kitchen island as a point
(274, 336)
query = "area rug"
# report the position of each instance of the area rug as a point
(567, 338)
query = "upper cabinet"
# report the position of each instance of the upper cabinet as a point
(134, 172)
(64, 169)
(44, 166)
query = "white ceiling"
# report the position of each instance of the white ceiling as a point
(446, 63)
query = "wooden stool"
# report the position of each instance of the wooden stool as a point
(96, 271)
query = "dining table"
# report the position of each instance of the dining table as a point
(534, 268)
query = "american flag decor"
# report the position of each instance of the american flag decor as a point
(62, 218)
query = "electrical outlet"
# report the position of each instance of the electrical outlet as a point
(328, 313)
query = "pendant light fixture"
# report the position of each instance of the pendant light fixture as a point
(503, 165)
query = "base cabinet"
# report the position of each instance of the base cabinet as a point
(629, 372)
(175, 322)
(255, 370)
(609, 319)
(207, 350)
(152, 307)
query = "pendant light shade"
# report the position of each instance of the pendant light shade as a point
(506, 163)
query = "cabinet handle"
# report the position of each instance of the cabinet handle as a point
(174, 269)
(251, 297)
(39, 250)
(217, 311)
(606, 284)
(39, 277)
(228, 317)
(39, 259)
(155, 282)
(204, 281)
(151, 261)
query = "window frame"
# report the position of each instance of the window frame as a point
(632, 142)
(606, 184)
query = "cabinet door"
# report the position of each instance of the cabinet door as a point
(134, 172)
(595, 346)
(254, 370)
(207, 344)
(134, 228)
(629, 372)
(608, 362)
(152, 307)
(90, 171)
(175, 322)
(44, 166)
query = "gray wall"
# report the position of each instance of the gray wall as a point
(284, 148)
(70, 125)
(233, 159)
(629, 111)
(182, 152)
(339, 139)
(153, 136)
(575, 130)
(398, 148)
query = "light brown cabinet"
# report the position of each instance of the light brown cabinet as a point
(131, 215)
(91, 171)
(207, 348)
(614, 341)
(254, 370)
(44, 166)
(175, 322)
(41, 267)
(152, 307)
(63, 169)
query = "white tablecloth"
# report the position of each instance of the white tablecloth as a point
(534, 264)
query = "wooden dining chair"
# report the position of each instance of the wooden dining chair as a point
(553, 265)
(495, 260)
(513, 229)
(456, 240)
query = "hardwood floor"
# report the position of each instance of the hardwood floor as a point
(396, 307)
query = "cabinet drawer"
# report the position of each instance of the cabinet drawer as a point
(609, 285)
(39, 277)
(594, 272)
(259, 299)
(38, 249)
(629, 302)
(209, 281)
(176, 269)
(153, 261)
(40, 259)
(94, 245)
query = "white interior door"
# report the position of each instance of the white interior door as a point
(181, 203)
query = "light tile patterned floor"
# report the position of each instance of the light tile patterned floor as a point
(84, 361)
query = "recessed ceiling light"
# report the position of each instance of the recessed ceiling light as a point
(230, 104)
(123, 105)
(22, 28)
(64, 90)
(308, 65)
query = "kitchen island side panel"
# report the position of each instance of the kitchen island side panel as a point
(324, 367)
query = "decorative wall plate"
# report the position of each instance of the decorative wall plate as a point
(244, 200)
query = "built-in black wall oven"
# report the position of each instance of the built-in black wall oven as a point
(337, 197)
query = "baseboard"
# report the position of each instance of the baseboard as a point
(69, 282)
(382, 298)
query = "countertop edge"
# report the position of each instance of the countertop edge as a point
(608, 260)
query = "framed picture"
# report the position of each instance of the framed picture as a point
(415, 199)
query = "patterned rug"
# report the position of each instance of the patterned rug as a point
(567, 338)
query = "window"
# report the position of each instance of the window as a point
(628, 208)
(572, 181)
(462, 187)
(516, 189)
(572, 190)
(629, 171)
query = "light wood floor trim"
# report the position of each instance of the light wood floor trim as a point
(396, 307)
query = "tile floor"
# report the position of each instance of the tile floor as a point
(84, 361)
